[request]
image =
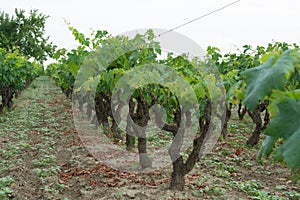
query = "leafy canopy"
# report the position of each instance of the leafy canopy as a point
(26, 33)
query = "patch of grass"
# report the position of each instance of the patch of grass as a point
(254, 189)
(56, 188)
(5, 191)
(46, 160)
(44, 173)
(216, 191)
(292, 195)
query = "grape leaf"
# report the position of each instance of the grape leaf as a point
(290, 151)
(287, 121)
(265, 78)
(267, 147)
(286, 125)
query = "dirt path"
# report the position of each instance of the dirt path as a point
(42, 157)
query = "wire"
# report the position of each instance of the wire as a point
(205, 15)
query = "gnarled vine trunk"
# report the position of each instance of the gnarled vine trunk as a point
(259, 124)
(224, 132)
(180, 169)
(104, 114)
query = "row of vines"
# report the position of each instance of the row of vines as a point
(261, 82)
(264, 82)
(16, 72)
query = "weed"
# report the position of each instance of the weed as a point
(5, 191)
(46, 160)
(44, 173)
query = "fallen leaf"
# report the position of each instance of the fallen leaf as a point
(238, 151)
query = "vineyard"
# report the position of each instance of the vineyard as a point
(237, 114)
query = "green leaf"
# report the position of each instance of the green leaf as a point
(73, 67)
(286, 125)
(266, 57)
(290, 151)
(287, 122)
(265, 78)
(267, 147)
(278, 97)
(199, 91)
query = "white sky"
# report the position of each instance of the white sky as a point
(247, 22)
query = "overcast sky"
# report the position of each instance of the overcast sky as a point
(247, 22)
